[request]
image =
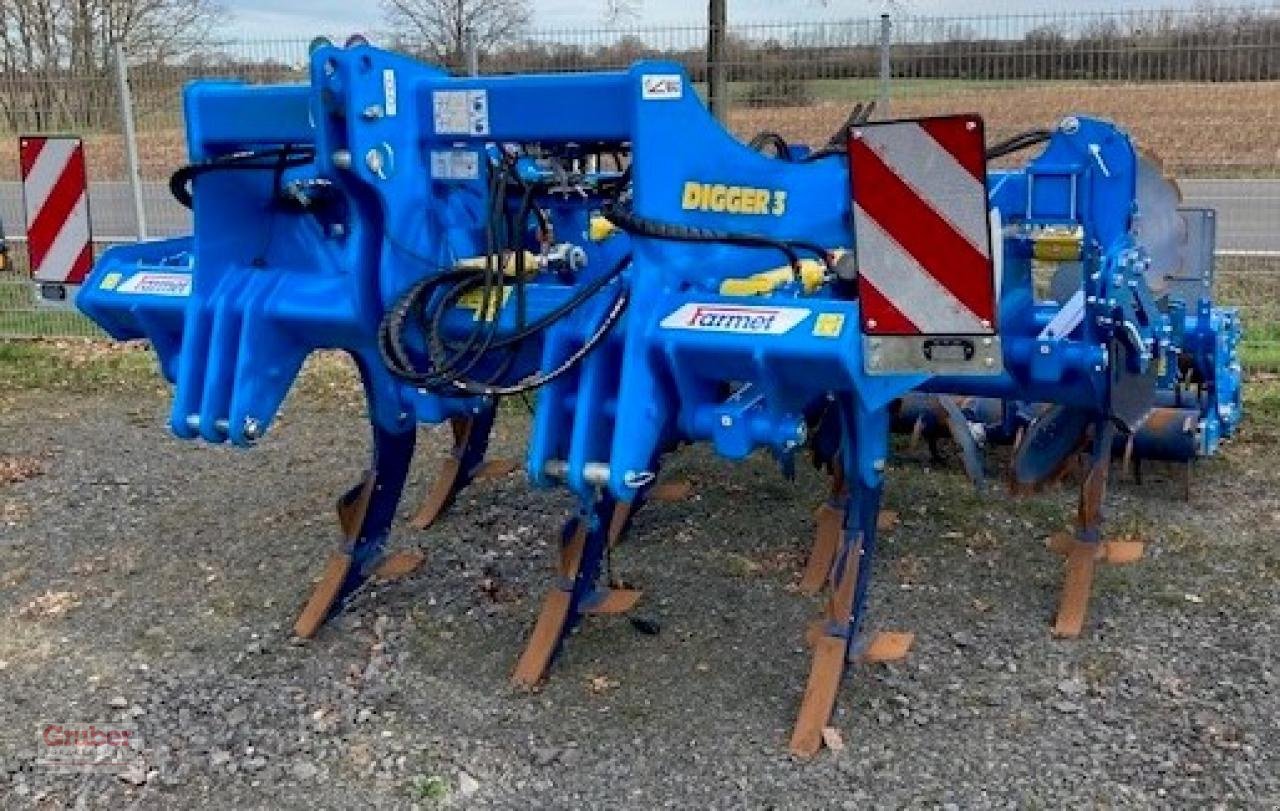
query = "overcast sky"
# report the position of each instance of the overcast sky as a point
(303, 18)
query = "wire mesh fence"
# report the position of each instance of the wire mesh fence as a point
(1200, 88)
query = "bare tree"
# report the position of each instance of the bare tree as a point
(617, 12)
(440, 29)
(55, 55)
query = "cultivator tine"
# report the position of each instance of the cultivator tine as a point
(1086, 549)
(1077, 585)
(354, 504)
(664, 493)
(323, 596)
(465, 464)
(887, 646)
(553, 619)
(619, 522)
(575, 593)
(365, 513)
(496, 469)
(826, 539)
(352, 508)
(614, 601)
(830, 656)
(830, 521)
(543, 641)
(400, 565)
(672, 492)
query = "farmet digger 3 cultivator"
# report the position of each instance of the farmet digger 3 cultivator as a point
(598, 238)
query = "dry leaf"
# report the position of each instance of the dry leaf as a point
(14, 469)
(601, 684)
(49, 605)
(832, 738)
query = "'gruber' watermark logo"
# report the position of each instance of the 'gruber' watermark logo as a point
(741, 319)
(77, 747)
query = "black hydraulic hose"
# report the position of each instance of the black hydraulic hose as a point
(391, 344)
(781, 148)
(676, 232)
(1018, 142)
(275, 160)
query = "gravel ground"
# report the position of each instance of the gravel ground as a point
(147, 579)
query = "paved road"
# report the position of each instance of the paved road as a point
(1248, 210)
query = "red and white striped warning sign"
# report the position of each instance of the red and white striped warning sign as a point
(55, 189)
(921, 227)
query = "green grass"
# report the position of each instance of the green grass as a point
(328, 379)
(77, 366)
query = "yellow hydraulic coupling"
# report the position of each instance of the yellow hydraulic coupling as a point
(812, 275)
(599, 228)
(507, 262)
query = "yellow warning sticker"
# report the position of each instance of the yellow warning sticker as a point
(474, 300)
(828, 325)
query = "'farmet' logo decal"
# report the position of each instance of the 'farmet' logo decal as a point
(744, 320)
(156, 284)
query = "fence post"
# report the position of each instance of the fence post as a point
(473, 54)
(882, 98)
(130, 141)
(717, 70)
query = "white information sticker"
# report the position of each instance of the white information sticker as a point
(390, 100)
(455, 164)
(460, 112)
(662, 86)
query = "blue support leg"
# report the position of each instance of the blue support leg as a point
(365, 514)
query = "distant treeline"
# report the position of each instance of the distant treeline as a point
(1206, 46)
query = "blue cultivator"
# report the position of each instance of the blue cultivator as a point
(600, 239)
